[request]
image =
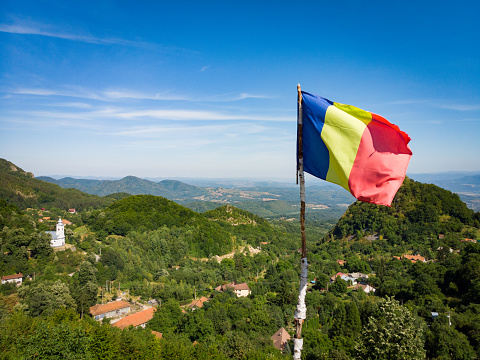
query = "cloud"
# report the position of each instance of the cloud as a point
(437, 104)
(33, 28)
(29, 30)
(409, 102)
(128, 94)
(460, 107)
(204, 68)
(234, 97)
(75, 92)
(77, 105)
(112, 113)
(183, 115)
(119, 94)
(227, 130)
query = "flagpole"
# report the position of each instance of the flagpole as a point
(301, 312)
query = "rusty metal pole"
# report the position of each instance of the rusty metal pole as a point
(301, 312)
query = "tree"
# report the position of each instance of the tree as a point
(354, 324)
(339, 286)
(445, 342)
(391, 333)
(45, 298)
(167, 317)
(86, 273)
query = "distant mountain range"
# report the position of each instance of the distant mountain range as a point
(170, 189)
(465, 184)
(263, 198)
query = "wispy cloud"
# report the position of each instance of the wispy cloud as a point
(470, 120)
(120, 94)
(128, 94)
(460, 107)
(234, 97)
(438, 104)
(76, 105)
(227, 130)
(76, 92)
(115, 113)
(409, 102)
(34, 28)
(204, 68)
(182, 115)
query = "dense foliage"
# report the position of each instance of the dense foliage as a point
(418, 210)
(145, 247)
(142, 213)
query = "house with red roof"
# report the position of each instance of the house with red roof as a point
(109, 310)
(138, 319)
(414, 258)
(241, 290)
(157, 334)
(199, 302)
(15, 278)
(280, 338)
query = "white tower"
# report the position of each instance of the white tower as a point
(60, 231)
(58, 236)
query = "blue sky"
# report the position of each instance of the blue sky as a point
(208, 89)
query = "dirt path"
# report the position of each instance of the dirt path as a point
(241, 249)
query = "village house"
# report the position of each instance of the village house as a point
(358, 275)
(157, 334)
(344, 277)
(72, 211)
(109, 310)
(198, 303)
(367, 288)
(15, 278)
(241, 290)
(138, 319)
(412, 258)
(332, 278)
(280, 338)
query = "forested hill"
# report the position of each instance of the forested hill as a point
(249, 227)
(22, 189)
(142, 213)
(170, 189)
(234, 216)
(417, 210)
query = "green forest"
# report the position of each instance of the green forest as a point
(399, 282)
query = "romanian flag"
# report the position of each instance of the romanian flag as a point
(356, 149)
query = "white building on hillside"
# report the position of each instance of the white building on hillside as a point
(58, 236)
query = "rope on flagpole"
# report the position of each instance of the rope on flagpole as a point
(301, 312)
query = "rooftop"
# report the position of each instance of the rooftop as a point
(111, 306)
(14, 276)
(280, 338)
(136, 319)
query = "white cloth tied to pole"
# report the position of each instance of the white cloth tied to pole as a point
(301, 312)
(297, 346)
